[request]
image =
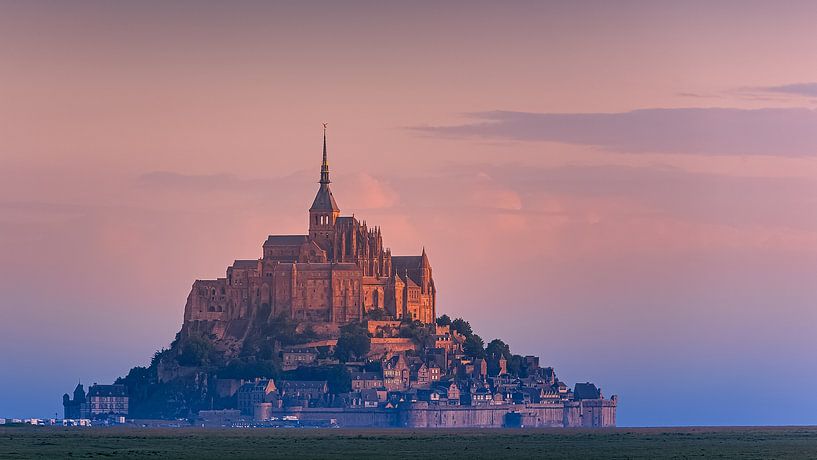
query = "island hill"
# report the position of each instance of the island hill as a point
(332, 326)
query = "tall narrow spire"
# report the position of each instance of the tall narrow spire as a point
(325, 164)
(324, 201)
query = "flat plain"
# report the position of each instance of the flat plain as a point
(619, 443)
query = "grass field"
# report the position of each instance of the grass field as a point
(759, 443)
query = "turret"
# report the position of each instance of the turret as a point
(79, 393)
(425, 272)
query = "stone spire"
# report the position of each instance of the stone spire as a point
(424, 259)
(325, 164)
(324, 201)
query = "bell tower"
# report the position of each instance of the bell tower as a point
(324, 211)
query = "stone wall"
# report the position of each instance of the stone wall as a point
(381, 346)
(346, 417)
(588, 413)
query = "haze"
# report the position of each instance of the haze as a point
(626, 189)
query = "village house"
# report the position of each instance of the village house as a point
(366, 380)
(294, 358)
(303, 393)
(108, 399)
(252, 393)
(396, 373)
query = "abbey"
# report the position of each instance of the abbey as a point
(335, 274)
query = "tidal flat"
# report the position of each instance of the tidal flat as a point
(618, 443)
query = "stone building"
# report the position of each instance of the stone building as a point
(366, 380)
(396, 373)
(333, 274)
(296, 357)
(78, 407)
(252, 393)
(108, 399)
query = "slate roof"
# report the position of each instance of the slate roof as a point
(400, 263)
(346, 219)
(369, 394)
(245, 263)
(108, 390)
(366, 376)
(324, 201)
(586, 391)
(286, 240)
(303, 384)
(410, 264)
(312, 350)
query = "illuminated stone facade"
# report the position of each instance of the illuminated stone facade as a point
(333, 275)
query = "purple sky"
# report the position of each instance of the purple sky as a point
(625, 189)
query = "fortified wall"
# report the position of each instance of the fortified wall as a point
(588, 414)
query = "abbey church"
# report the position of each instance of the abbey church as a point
(333, 275)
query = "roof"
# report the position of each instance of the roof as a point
(260, 385)
(366, 376)
(392, 362)
(410, 282)
(346, 219)
(407, 265)
(369, 394)
(245, 263)
(403, 262)
(586, 391)
(286, 240)
(311, 350)
(293, 384)
(108, 390)
(324, 201)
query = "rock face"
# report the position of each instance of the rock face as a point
(331, 276)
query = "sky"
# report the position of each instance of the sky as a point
(626, 189)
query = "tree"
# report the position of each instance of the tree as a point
(243, 368)
(337, 377)
(444, 320)
(418, 332)
(497, 348)
(462, 326)
(158, 356)
(516, 366)
(138, 382)
(194, 351)
(354, 342)
(474, 346)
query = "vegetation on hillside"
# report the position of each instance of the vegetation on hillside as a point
(201, 363)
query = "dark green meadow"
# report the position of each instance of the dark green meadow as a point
(122, 442)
